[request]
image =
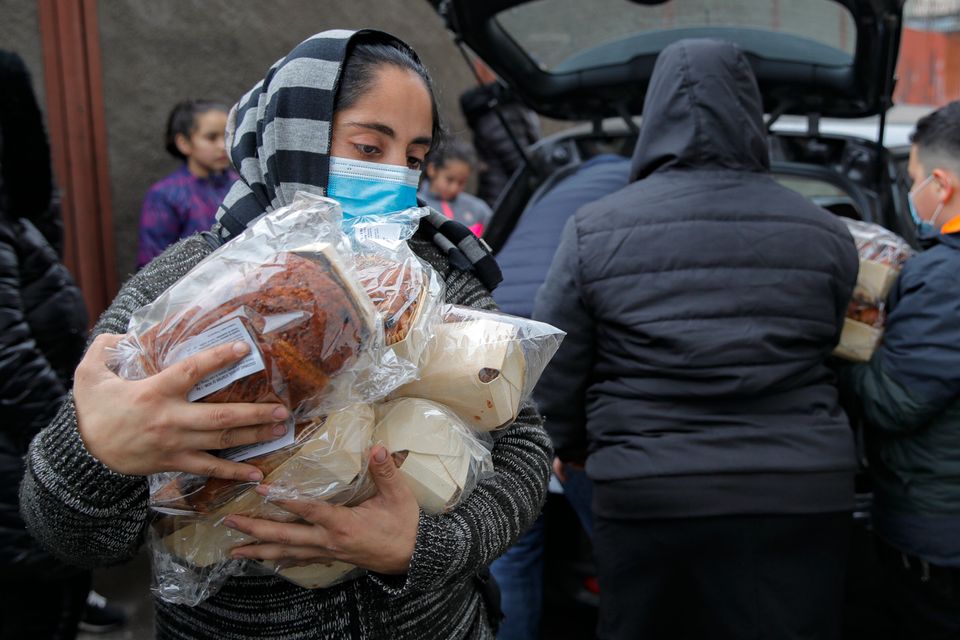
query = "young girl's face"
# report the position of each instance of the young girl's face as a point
(205, 149)
(392, 123)
(447, 181)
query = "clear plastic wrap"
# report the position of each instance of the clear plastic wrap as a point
(440, 458)
(882, 254)
(338, 315)
(190, 544)
(286, 286)
(483, 364)
(406, 291)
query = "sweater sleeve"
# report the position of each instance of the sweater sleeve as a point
(561, 393)
(76, 506)
(453, 546)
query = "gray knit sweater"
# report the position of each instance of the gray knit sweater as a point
(92, 516)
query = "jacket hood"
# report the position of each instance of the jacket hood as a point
(702, 111)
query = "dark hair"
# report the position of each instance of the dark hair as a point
(452, 149)
(365, 57)
(26, 178)
(938, 134)
(183, 121)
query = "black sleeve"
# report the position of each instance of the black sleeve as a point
(30, 390)
(561, 391)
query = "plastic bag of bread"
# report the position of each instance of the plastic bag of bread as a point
(405, 290)
(483, 364)
(882, 255)
(189, 542)
(288, 288)
(440, 458)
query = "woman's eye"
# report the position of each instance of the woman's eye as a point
(367, 149)
(414, 163)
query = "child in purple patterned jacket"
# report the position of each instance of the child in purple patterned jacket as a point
(186, 201)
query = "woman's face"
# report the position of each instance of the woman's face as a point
(392, 123)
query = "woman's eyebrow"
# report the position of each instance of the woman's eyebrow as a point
(388, 131)
(375, 126)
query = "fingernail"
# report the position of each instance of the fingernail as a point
(263, 489)
(279, 429)
(240, 348)
(280, 413)
(230, 523)
(255, 476)
(380, 455)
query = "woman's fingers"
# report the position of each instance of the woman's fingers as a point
(184, 375)
(209, 439)
(281, 533)
(283, 555)
(205, 464)
(214, 416)
(332, 517)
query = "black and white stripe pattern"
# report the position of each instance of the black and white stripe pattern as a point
(279, 140)
(279, 132)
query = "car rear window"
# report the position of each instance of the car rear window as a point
(570, 35)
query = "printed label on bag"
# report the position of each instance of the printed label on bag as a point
(378, 232)
(231, 331)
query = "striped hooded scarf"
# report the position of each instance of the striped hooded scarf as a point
(279, 140)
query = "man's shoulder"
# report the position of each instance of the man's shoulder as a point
(938, 265)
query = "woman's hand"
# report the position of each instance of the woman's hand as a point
(139, 427)
(378, 534)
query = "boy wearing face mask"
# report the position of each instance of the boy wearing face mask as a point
(909, 393)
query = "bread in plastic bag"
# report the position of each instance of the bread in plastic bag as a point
(405, 291)
(483, 364)
(439, 457)
(191, 548)
(882, 255)
(287, 287)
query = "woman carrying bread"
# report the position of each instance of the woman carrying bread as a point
(337, 98)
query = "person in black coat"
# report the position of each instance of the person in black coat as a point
(497, 149)
(42, 333)
(701, 303)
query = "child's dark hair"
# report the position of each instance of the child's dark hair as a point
(183, 121)
(452, 149)
(366, 55)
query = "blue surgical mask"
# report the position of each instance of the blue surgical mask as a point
(370, 188)
(925, 229)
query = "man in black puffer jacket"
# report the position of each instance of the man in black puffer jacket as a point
(42, 333)
(701, 303)
(497, 149)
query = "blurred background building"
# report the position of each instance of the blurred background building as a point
(928, 71)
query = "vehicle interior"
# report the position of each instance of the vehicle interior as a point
(852, 177)
(590, 63)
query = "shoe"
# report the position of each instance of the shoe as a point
(99, 616)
